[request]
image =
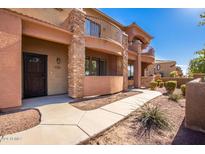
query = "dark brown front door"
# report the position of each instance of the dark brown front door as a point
(35, 75)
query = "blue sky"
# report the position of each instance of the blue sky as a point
(176, 32)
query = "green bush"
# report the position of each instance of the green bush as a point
(170, 86)
(153, 85)
(174, 97)
(161, 84)
(151, 118)
(158, 81)
(183, 89)
(173, 74)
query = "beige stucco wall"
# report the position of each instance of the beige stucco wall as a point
(49, 15)
(57, 73)
(101, 85)
(164, 68)
(195, 105)
(10, 63)
(109, 29)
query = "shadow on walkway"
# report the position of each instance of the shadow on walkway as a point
(45, 100)
(186, 136)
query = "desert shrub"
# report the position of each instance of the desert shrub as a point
(183, 89)
(170, 86)
(174, 97)
(158, 81)
(151, 118)
(173, 74)
(153, 85)
(161, 84)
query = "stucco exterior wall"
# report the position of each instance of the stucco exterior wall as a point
(132, 55)
(68, 76)
(46, 32)
(165, 68)
(50, 15)
(57, 73)
(104, 45)
(101, 85)
(10, 63)
(195, 105)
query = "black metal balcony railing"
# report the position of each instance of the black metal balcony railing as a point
(100, 28)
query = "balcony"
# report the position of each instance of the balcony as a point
(148, 55)
(100, 28)
(133, 47)
(149, 51)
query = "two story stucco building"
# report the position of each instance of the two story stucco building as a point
(162, 67)
(79, 52)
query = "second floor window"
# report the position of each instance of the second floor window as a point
(92, 28)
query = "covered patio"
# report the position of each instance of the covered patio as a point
(103, 73)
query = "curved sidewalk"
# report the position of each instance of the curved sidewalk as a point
(61, 123)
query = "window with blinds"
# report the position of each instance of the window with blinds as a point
(92, 28)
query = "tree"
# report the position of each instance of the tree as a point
(197, 65)
(179, 71)
(202, 16)
(173, 74)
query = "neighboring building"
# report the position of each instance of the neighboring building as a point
(163, 67)
(80, 52)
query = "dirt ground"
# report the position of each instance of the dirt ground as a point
(96, 102)
(127, 131)
(18, 121)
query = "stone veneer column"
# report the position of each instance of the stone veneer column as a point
(125, 61)
(76, 54)
(137, 66)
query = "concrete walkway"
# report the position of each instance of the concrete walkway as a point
(62, 123)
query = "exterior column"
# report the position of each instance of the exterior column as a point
(76, 54)
(10, 63)
(138, 67)
(125, 61)
(119, 66)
